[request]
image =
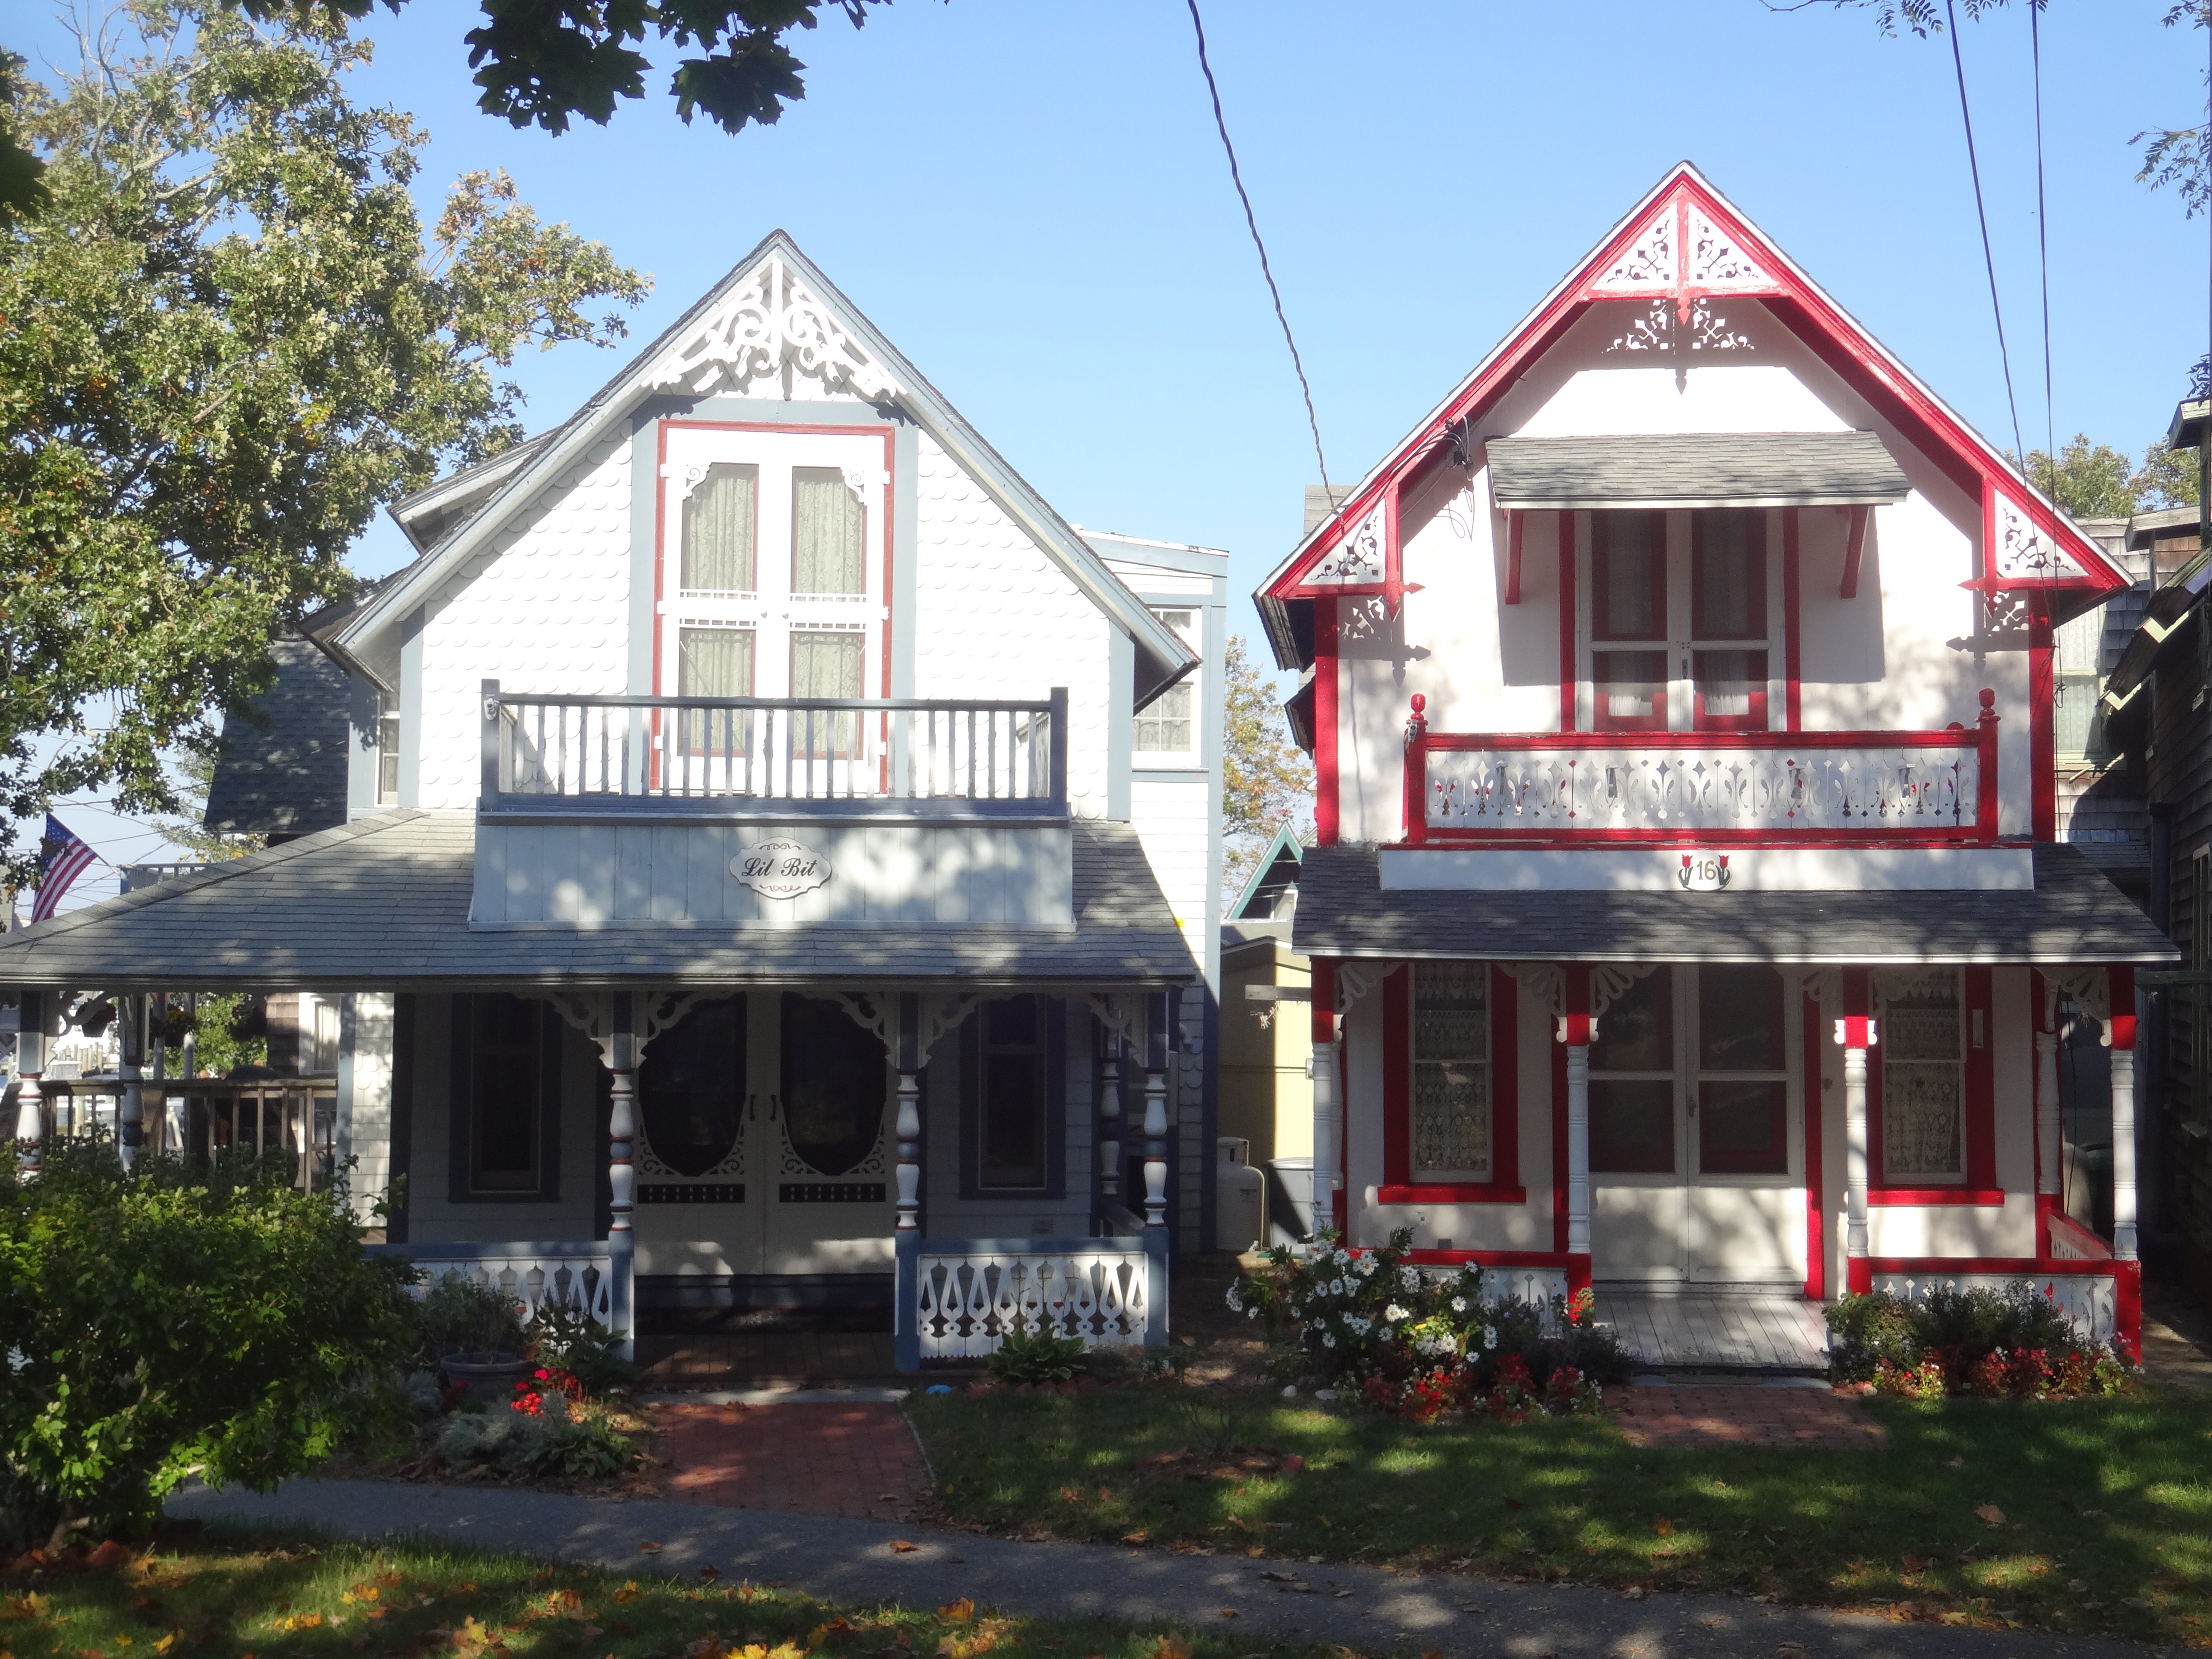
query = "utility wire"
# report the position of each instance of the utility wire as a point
(1989, 259)
(2043, 240)
(1236, 177)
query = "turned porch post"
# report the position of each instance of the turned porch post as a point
(2120, 1035)
(1109, 1119)
(2050, 1143)
(1855, 1035)
(1327, 1109)
(906, 1241)
(1577, 1030)
(131, 1111)
(30, 1062)
(1159, 1021)
(621, 1050)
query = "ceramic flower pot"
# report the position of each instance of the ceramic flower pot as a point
(492, 1379)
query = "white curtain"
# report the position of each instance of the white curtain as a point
(829, 536)
(718, 532)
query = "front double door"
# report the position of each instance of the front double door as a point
(1695, 1127)
(765, 1140)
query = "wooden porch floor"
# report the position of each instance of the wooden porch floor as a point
(1723, 1328)
(759, 1359)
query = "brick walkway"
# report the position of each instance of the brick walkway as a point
(1715, 1414)
(856, 1460)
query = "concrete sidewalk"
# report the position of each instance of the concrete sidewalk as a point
(1362, 1607)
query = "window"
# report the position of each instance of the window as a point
(508, 1068)
(387, 751)
(1166, 725)
(829, 533)
(1743, 1078)
(2075, 686)
(1922, 1054)
(1657, 575)
(720, 522)
(1451, 1107)
(691, 1086)
(1011, 1121)
(834, 1085)
(825, 665)
(1631, 1081)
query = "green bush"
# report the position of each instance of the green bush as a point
(1039, 1357)
(165, 1323)
(1866, 1330)
(584, 1448)
(1971, 1340)
(475, 1321)
(587, 1350)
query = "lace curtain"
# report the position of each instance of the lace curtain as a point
(718, 532)
(1923, 1073)
(828, 535)
(1451, 1070)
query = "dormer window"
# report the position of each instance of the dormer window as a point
(719, 520)
(1678, 628)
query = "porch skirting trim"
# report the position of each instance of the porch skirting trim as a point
(1907, 1198)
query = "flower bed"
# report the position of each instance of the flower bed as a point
(1422, 1344)
(1974, 1341)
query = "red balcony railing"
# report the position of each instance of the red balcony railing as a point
(1706, 788)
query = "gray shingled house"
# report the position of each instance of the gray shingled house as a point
(777, 863)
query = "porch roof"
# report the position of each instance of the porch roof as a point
(1695, 469)
(2074, 915)
(383, 903)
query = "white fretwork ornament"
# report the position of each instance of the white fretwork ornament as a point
(2024, 552)
(770, 326)
(1357, 561)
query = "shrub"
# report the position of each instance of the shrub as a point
(457, 1317)
(573, 1341)
(162, 1324)
(1973, 1340)
(582, 1449)
(1039, 1357)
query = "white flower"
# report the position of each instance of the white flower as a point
(1410, 1278)
(1367, 1266)
(1235, 1302)
(1251, 1313)
(1459, 1304)
(1336, 1288)
(1394, 1311)
(1382, 1335)
(1328, 1342)
(1341, 1256)
(1490, 1336)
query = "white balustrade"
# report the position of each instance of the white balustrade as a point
(969, 1299)
(2090, 1301)
(1678, 786)
(537, 1281)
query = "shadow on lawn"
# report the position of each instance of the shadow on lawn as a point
(2085, 1516)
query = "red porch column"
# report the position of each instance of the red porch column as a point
(1855, 1035)
(2120, 1035)
(1576, 1028)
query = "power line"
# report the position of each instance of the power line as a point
(1236, 177)
(1989, 259)
(2043, 241)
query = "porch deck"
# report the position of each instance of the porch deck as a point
(1717, 1328)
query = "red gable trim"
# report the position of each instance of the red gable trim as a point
(1709, 249)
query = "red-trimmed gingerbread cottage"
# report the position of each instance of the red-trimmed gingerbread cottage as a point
(1688, 910)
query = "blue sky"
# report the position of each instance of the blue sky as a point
(1029, 199)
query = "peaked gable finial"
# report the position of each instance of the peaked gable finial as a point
(769, 323)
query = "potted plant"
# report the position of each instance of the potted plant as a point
(475, 1332)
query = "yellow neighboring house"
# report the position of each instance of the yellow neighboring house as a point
(1267, 1041)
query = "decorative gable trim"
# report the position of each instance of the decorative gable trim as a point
(770, 326)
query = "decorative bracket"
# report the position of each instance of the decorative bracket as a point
(1545, 981)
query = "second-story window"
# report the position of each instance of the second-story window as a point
(1167, 726)
(1678, 630)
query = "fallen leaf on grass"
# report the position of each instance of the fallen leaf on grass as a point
(629, 1592)
(1294, 1464)
(958, 1613)
(1990, 1513)
(710, 1573)
(1138, 1536)
(1254, 1549)
(1663, 1527)
(900, 1546)
(1171, 1647)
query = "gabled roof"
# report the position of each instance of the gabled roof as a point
(1275, 873)
(774, 311)
(1686, 243)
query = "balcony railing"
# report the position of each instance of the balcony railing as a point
(1708, 787)
(547, 749)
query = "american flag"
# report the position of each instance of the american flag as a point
(62, 859)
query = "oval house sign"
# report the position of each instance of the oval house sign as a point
(781, 869)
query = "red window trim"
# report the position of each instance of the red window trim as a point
(1978, 1133)
(1399, 1186)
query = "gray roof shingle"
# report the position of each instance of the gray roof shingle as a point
(1694, 469)
(383, 903)
(288, 778)
(2074, 914)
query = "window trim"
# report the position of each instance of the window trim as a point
(1977, 1181)
(461, 1103)
(1052, 1012)
(1399, 1186)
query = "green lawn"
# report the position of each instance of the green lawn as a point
(221, 1595)
(2098, 1513)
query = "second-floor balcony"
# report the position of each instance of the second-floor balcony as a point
(565, 753)
(1713, 788)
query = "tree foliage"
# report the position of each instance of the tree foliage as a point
(225, 344)
(23, 182)
(1267, 782)
(160, 1325)
(543, 61)
(2088, 481)
(2168, 477)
